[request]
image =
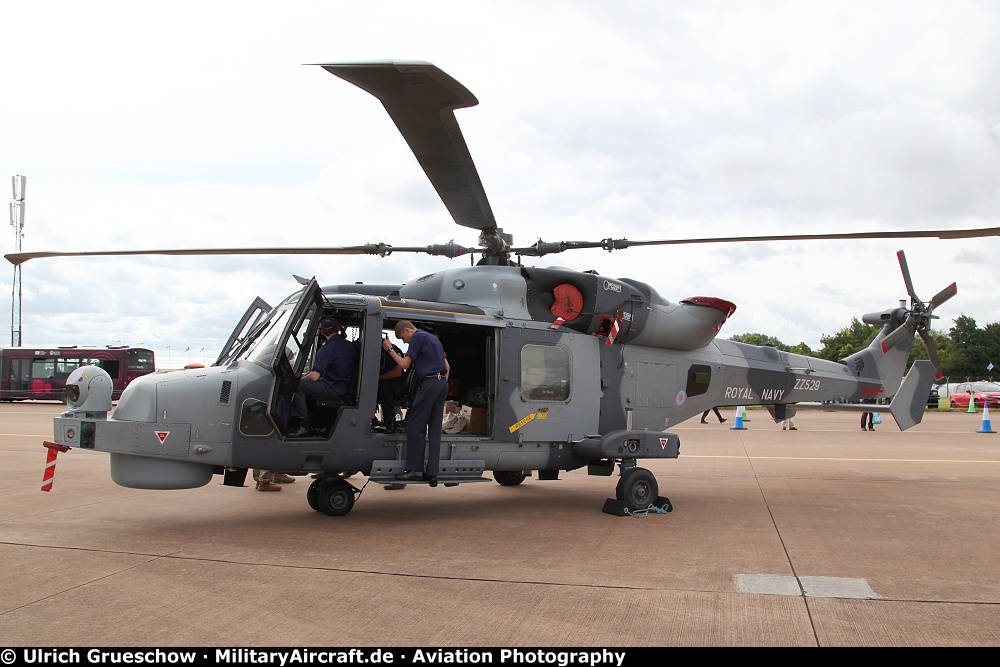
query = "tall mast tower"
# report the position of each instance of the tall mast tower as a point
(17, 222)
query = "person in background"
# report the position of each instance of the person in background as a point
(717, 414)
(867, 417)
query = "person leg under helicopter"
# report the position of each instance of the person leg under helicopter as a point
(265, 481)
(275, 478)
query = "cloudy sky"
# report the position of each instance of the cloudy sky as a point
(202, 124)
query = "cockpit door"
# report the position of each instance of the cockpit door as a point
(291, 353)
(255, 315)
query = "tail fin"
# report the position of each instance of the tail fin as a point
(884, 361)
(907, 406)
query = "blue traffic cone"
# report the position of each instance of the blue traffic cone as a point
(986, 427)
(738, 426)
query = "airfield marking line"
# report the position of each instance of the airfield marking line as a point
(73, 507)
(86, 583)
(830, 458)
(784, 547)
(195, 559)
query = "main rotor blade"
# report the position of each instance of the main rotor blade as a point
(542, 248)
(421, 100)
(945, 294)
(906, 275)
(382, 249)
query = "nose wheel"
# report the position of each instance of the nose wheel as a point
(637, 488)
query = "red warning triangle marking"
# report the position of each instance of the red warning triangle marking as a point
(663, 443)
(161, 435)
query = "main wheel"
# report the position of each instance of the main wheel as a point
(637, 488)
(312, 494)
(509, 477)
(335, 498)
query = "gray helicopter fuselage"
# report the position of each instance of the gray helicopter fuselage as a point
(549, 395)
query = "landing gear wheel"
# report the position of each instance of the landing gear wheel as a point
(509, 477)
(335, 498)
(637, 488)
(312, 494)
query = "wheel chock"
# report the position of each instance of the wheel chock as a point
(615, 507)
(620, 507)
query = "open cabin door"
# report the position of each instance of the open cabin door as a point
(292, 353)
(248, 324)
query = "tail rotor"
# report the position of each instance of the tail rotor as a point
(919, 316)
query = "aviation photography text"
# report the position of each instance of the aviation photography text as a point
(286, 657)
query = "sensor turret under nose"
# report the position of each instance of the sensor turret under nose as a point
(88, 392)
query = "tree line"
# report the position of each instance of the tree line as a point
(967, 351)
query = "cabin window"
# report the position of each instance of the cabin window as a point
(545, 373)
(698, 379)
(43, 368)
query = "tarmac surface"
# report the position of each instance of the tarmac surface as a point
(824, 536)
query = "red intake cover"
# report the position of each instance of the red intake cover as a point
(569, 302)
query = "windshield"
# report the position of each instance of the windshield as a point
(987, 386)
(261, 347)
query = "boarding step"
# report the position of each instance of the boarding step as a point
(450, 473)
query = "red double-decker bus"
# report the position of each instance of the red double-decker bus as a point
(37, 373)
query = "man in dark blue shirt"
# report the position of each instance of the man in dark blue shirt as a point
(331, 374)
(426, 358)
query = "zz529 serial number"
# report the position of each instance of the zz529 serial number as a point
(807, 385)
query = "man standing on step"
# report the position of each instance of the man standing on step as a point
(426, 359)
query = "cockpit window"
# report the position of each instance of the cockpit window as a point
(261, 348)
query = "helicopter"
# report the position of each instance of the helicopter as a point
(557, 369)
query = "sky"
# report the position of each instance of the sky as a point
(207, 124)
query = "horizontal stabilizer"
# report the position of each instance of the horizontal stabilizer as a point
(907, 406)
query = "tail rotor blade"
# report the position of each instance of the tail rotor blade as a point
(903, 331)
(945, 294)
(906, 275)
(932, 353)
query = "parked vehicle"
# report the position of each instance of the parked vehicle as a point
(979, 392)
(932, 398)
(34, 373)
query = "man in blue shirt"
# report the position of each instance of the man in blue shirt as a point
(331, 374)
(426, 358)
